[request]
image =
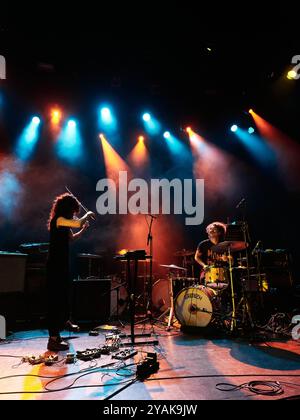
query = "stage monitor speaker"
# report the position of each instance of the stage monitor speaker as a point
(91, 300)
(12, 269)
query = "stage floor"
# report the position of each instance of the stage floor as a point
(185, 362)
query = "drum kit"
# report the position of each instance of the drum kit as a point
(213, 299)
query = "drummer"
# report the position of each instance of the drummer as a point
(204, 256)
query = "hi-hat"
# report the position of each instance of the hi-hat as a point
(184, 253)
(172, 266)
(233, 246)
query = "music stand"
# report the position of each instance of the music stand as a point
(135, 256)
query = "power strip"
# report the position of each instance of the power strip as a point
(125, 354)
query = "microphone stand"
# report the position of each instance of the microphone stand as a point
(150, 280)
(148, 315)
(247, 240)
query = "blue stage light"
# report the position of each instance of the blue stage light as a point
(107, 120)
(71, 123)
(167, 134)
(147, 117)
(106, 115)
(28, 139)
(234, 128)
(251, 130)
(36, 120)
(69, 144)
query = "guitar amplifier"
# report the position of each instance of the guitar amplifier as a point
(91, 300)
(12, 269)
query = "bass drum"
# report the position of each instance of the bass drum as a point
(161, 292)
(195, 306)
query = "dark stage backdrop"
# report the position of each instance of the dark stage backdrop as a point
(209, 92)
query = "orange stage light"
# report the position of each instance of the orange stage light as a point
(113, 161)
(139, 155)
(56, 116)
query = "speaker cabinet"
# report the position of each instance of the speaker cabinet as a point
(91, 300)
(12, 269)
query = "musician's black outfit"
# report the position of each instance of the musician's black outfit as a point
(58, 278)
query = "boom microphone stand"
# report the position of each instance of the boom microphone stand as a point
(150, 280)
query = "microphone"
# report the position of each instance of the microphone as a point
(256, 247)
(240, 203)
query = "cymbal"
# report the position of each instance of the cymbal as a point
(172, 266)
(107, 328)
(233, 246)
(184, 253)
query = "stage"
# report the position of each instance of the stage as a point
(190, 368)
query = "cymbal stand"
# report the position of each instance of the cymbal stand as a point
(246, 306)
(170, 309)
(233, 318)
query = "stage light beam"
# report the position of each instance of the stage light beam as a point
(56, 116)
(107, 120)
(28, 139)
(151, 124)
(69, 143)
(234, 128)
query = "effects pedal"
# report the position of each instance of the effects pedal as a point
(89, 354)
(33, 360)
(50, 360)
(105, 350)
(71, 358)
(125, 354)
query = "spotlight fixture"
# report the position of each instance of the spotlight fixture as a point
(146, 117)
(72, 124)
(36, 120)
(234, 128)
(167, 135)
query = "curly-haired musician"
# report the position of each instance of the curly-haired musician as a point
(204, 256)
(62, 218)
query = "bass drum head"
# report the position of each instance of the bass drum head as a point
(194, 306)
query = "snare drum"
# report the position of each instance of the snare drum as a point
(195, 306)
(216, 277)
